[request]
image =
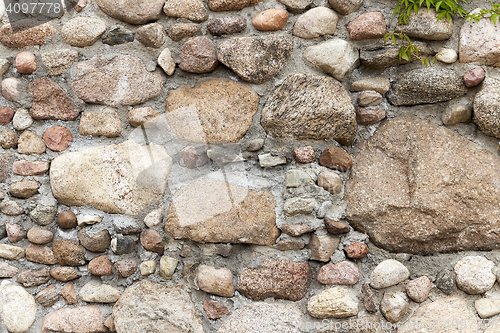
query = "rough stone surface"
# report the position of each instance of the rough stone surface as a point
(356, 250)
(151, 35)
(316, 22)
(369, 116)
(167, 267)
(334, 56)
(104, 81)
(59, 61)
(198, 55)
(425, 25)
(11, 252)
(8, 139)
(486, 111)
(117, 34)
(40, 254)
(83, 31)
(95, 292)
(49, 296)
(263, 317)
(25, 63)
(322, 247)
(281, 279)
(215, 281)
(421, 86)
(15, 232)
(33, 278)
(335, 158)
(368, 298)
(204, 206)
(419, 289)
(111, 178)
(445, 281)
(294, 206)
(214, 309)
(28, 168)
(125, 268)
(30, 143)
(166, 61)
(25, 32)
(57, 138)
(388, 273)
(100, 266)
(296, 229)
(132, 11)
(50, 101)
(11, 208)
(441, 175)
(7, 271)
(305, 154)
(270, 19)
(122, 245)
(256, 59)
(193, 10)
(297, 178)
(345, 7)
(380, 84)
(487, 307)
(179, 31)
(132, 311)
(106, 123)
(380, 55)
(193, 158)
(69, 253)
(369, 98)
(219, 111)
(335, 227)
(332, 303)
(230, 5)
(81, 319)
(151, 240)
(17, 307)
(367, 25)
(99, 242)
(69, 294)
(24, 189)
(64, 274)
(22, 119)
(393, 306)
(474, 274)
(296, 96)
(344, 273)
(474, 77)
(226, 25)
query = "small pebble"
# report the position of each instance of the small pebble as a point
(117, 35)
(39, 236)
(154, 217)
(474, 274)
(57, 138)
(146, 116)
(268, 160)
(64, 274)
(369, 98)
(192, 157)
(297, 178)
(166, 62)
(393, 306)
(22, 120)
(25, 62)
(33, 278)
(273, 19)
(99, 242)
(322, 247)
(67, 220)
(28, 168)
(125, 268)
(419, 289)
(24, 189)
(198, 55)
(7, 271)
(59, 61)
(343, 273)
(15, 232)
(11, 252)
(224, 250)
(11, 208)
(122, 245)
(445, 281)
(214, 309)
(43, 215)
(147, 267)
(151, 240)
(305, 154)
(330, 181)
(167, 267)
(388, 273)
(336, 158)
(6, 115)
(356, 250)
(10, 88)
(215, 281)
(296, 230)
(474, 77)
(183, 30)
(368, 298)
(487, 308)
(95, 292)
(30, 143)
(151, 35)
(87, 219)
(69, 253)
(336, 228)
(448, 56)
(369, 116)
(83, 31)
(100, 266)
(316, 22)
(226, 25)
(8, 139)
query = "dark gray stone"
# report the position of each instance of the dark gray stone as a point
(118, 34)
(445, 281)
(122, 245)
(226, 25)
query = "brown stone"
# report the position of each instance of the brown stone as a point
(296, 230)
(146, 116)
(28, 168)
(25, 62)
(50, 101)
(49, 296)
(356, 250)
(69, 294)
(99, 242)
(273, 19)
(343, 273)
(4, 167)
(192, 158)
(15, 232)
(84, 319)
(281, 279)
(30, 143)
(125, 268)
(305, 154)
(67, 219)
(335, 158)
(322, 247)
(6, 115)
(187, 251)
(96, 123)
(100, 266)
(25, 32)
(151, 240)
(40, 254)
(131, 11)
(367, 25)
(203, 212)
(215, 281)
(57, 138)
(69, 253)
(345, 7)
(24, 189)
(64, 274)
(421, 192)
(8, 139)
(230, 5)
(369, 116)
(214, 309)
(33, 278)
(151, 35)
(369, 98)
(183, 30)
(419, 289)
(474, 77)
(198, 55)
(368, 298)
(226, 25)
(290, 245)
(11, 208)
(214, 111)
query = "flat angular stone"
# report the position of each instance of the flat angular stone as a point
(32, 278)
(380, 84)
(332, 303)
(49, 296)
(193, 10)
(131, 11)
(96, 123)
(50, 101)
(59, 61)
(204, 206)
(82, 319)
(425, 25)
(25, 32)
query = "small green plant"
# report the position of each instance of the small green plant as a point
(494, 14)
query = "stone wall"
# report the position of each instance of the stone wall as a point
(247, 166)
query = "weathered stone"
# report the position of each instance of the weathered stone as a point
(59, 61)
(17, 307)
(11, 252)
(214, 111)
(179, 31)
(263, 317)
(316, 22)
(49, 296)
(132, 311)
(368, 298)
(69, 253)
(421, 86)
(440, 311)
(69, 294)
(425, 25)
(294, 206)
(81, 319)
(322, 247)
(57, 138)
(166, 62)
(356, 250)
(117, 35)
(296, 229)
(15, 232)
(118, 179)
(334, 56)
(445, 281)
(103, 81)
(303, 104)
(203, 206)
(193, 10)
(40, 254)
(22, 119)
(28, 168)
(11, 88)
(50, 101)
(474, 274)
(380, 55)
(231, 5)
(335, 158)
(4, 66)
(487, 307)
(88, 219)
(367, 25)
(344, 273)
(25, 62)
(132, 11)
(388, 273)
(215, 281)
(193, 158)
(281, 279)
(83, 31)
(198, 55)
(419, 289)
(369, 98)
(345, 7)
(369, 116)
(106, 123)
(296, 6)
(25, 32)
(122, 245)
(214, 309)
(486, 112)
(269, 160)
(297, 178)
(332, 303)
(226, 25)
(11, 208)
(99, 242)
(100, 266)
(8, 139)
(289, 245)
(439, 215)
(330, 181)
(64, 274)
(335, 227)
(7, 271)
(33, 278)
(95, 292)
(24, 189)
(448, 56)
(67, 219)
(393, 306)
(273, 19)
(474, 77)
(380, 84)
(151, 35)
(167, 267)
(305, 154)
(147, 267)
(256, 59)
(125, 268)
(151, 240)
(30, 143)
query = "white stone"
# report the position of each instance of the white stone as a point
(448, 56)
(268, 160)
(330, 181)
(487, 307)
(10, 88)
(17, 307)
(154, 217)
(332, 303)
(334, 56)
(474, 274)
(393, 306)
(22, 120)
(388, 273)
(166, 62)
(294, 206)
(147, 267)
(316, 22)
(2, 10)
(84, 219)
(4, 63)
(167, 267)
(95, 292)
(11, 252)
